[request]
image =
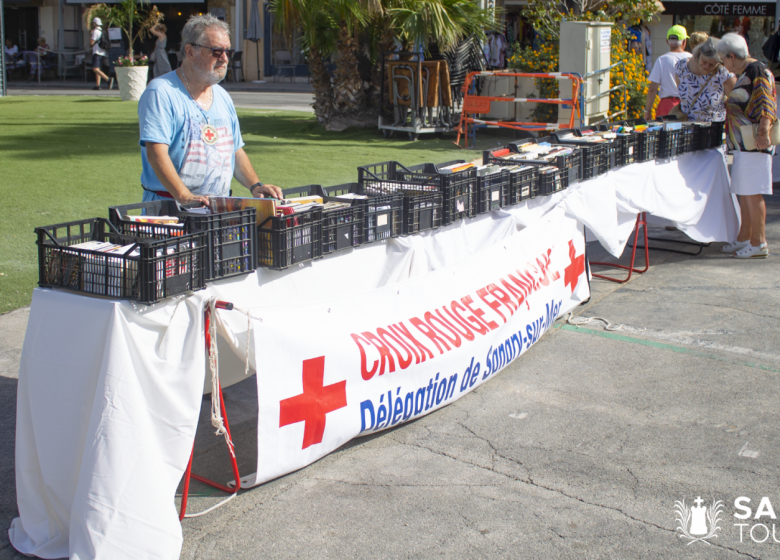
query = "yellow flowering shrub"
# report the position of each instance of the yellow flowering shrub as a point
(546, 59)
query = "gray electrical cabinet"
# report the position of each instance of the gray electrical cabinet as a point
(585, 48)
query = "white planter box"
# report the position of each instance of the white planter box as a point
(132, 81)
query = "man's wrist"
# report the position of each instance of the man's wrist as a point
(253, 187)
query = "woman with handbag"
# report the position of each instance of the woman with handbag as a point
(702, 82)
(752, 115)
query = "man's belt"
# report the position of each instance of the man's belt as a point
(164, 194)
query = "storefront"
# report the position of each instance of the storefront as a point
(754, 20)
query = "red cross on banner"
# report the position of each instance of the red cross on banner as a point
(314, 403)
(575, 269)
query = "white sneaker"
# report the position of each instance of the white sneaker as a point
(751, 252)
(734, 247)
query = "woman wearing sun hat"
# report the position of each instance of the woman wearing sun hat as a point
(662, 75)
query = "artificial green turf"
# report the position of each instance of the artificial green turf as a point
(70, 158)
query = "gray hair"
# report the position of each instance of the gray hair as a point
(196, 26)
(707, 49)
(732, 43)
(675, 43)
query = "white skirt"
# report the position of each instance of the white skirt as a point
(751, 173)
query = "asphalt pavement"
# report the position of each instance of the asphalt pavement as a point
(579, 449)
(281, 96)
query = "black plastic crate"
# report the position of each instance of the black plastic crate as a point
(231, 236)
(709, 135)
(342, 228)
(550, 181)
(492, 191)
(422, 211)
(422, 197)
(688, 140)
(593, 155)
(647, 145)
(459, 189)
(292, 239)
(149, 270)
(523, 184)
(571, 163)
(627, 144)
(383, 214)
(670, 143)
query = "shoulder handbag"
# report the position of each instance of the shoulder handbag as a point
(677, 109)
(750, 133)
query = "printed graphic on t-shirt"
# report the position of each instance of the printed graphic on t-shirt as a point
(208, 168)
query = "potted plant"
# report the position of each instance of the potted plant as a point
(132, 75)
(129, 15)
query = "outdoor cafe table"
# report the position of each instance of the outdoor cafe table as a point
(110, 392)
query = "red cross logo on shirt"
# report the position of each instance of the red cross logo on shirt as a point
(209, 135)
(314, 403)
(575, 269)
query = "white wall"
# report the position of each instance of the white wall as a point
(658, 34)
(46, 25)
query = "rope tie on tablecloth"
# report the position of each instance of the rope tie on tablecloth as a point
(216, 406)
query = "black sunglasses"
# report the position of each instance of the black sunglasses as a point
(216, 53)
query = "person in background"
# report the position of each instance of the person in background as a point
(752, 101)
(160, 56)
(696, 39)
(191, 145)
(98, 54)
(702, 83)
(662, 75)
(42, 48)
(11, 52)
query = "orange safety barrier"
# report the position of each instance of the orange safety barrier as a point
(480, 104)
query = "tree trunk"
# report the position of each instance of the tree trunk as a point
(320, 79)
(386, 43)
(348, 91)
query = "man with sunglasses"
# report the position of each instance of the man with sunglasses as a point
(191, 145)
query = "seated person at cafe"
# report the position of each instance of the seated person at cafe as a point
(191, 145)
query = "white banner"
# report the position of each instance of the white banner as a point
(359, 365)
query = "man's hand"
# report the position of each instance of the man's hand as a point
(267, 191)
(648, 115)
(189, 198)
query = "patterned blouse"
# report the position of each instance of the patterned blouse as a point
(709, 105)
(753, 97)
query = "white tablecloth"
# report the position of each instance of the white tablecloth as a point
(110, 392)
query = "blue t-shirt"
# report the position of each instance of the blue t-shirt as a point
(168, 115)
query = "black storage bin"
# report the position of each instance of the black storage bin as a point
(688, 140)
(670, 143)
(523, 184)
(383, 214)
(594, 155)
(422, 199)
(288, 240)
(149, 270)
(549, 181)
(459, 189)
(570, 163)
(647, 145)
(492, 191)
(341, 228)
(231, 236)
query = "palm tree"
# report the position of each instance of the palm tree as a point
(319, 40)
(332, 26)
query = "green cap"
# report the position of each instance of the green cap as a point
(678, 31)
